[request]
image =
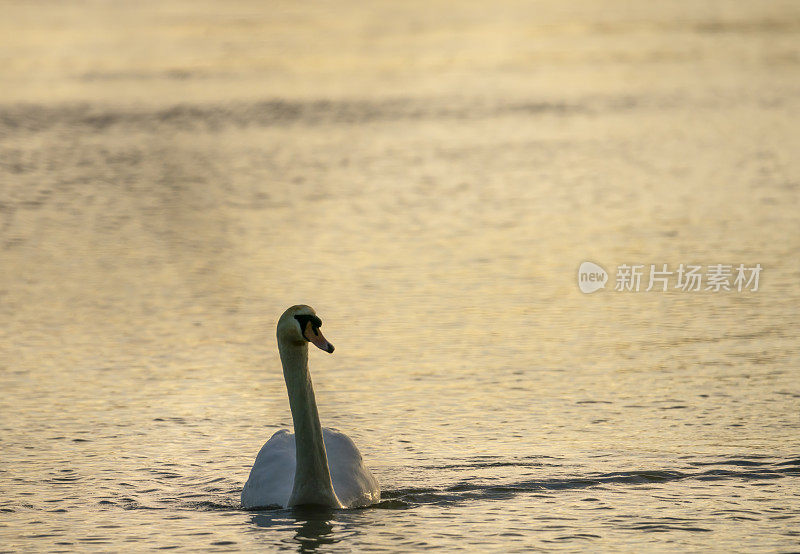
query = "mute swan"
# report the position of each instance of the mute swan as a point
(313, 465)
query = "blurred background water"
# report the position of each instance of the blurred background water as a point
(428, 176)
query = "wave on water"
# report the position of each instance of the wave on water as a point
(279, 111)
(222, 494)
(734, 469)
(276, 112)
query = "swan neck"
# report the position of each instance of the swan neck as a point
(312, 478)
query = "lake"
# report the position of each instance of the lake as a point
(429, 177)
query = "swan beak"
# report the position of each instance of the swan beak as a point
(314, 335)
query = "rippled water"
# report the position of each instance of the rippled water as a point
(428, 178)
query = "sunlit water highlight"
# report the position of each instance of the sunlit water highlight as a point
(432, 199)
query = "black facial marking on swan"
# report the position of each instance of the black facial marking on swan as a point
(304, 319)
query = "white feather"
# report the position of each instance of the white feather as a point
(272, 476)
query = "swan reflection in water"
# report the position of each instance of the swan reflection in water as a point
(313, 527)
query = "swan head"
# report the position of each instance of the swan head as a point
(300, 324)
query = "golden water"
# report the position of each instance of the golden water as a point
(429, 176)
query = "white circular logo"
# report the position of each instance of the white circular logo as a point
(591, 277)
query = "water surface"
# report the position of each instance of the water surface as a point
(429, 178)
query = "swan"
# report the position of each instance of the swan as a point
(313, 465)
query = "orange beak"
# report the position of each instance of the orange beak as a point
(314, 335)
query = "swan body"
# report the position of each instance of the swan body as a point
(272, 477)
(313, 465)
